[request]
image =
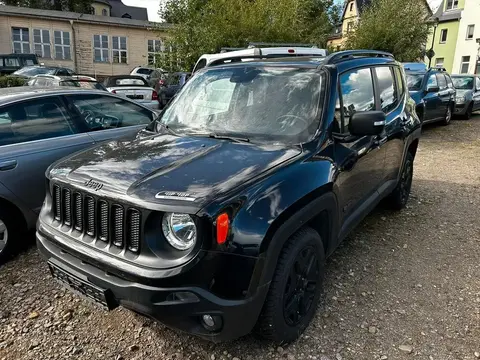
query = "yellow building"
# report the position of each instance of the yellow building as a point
(89, 44)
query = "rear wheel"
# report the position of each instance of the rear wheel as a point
(448, 116)
(399, 197)
(9, 232)
(295, 289)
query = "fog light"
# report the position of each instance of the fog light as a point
(208, 320)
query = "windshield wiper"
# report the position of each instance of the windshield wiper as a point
(229, 137)
(166, 127)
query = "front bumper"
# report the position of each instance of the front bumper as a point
(461, 109)
(238, 317)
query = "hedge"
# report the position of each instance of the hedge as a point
(10, 81)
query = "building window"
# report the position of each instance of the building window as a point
(100, 48)
(92, 10)
(155, 47)
(21, 41)
(119, 52)
(465, 65)
(62, 45)
(104, 12)
(439, 62)
(470, 31)
(443, 36)
(41, 43)
(349, 26)
(351, 6)
(451, 4)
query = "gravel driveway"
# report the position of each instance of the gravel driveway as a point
(403, 285)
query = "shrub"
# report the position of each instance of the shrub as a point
(11, 81)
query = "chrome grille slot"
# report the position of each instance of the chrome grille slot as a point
(133, 230)
(90, 215)
(78, 207)
(103, 227)
(117, 225)
(67, 207)
(57, 202)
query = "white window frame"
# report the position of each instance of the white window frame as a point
(470, 27)
(117, 48)
(439, 63)
(157, 44)
(443, 31)
(62, 44)
(453, 7)
(42, 43)
(21, 41)
(465, 63)
(102, 49)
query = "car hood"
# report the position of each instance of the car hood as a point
(464, 92)
(163, 168)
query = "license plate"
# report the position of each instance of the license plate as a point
(81, 287)
(135, 97)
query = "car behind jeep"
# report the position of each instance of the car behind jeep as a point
(218, 217)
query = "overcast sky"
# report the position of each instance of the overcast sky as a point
(153, 6)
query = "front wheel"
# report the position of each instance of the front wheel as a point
(398, 199)
(295, 289)
(448, 116)
(9, 231)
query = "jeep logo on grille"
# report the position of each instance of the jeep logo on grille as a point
(93, 184)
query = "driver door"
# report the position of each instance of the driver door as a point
(108, 117)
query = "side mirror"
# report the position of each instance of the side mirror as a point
(433, 89)
(367, 123)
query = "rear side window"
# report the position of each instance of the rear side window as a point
(144, 71)
(442, 83)
(386, 88)
(33, 120)
(357, 94)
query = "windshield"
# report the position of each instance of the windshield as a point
(414, 81)
(27, 71)
(269, 103)
(463, 83)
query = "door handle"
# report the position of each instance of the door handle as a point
(8, 165)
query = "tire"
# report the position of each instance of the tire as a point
(9, 234)
(448, 116)
(468, 113)
(295, 286)
(398, 199)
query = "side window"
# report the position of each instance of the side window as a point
(449, 82)
(357, 94)
(442, 83)
(477, 82)
(62, 72)
(201, 64)
(432, 81)
(106, 112)
(33, 120)
(400, 82)
(386, 88)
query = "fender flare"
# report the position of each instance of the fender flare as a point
(267, 262)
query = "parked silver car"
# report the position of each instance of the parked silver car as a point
(133, 87)
(39, 126)
(468, 94)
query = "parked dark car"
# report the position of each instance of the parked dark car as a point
(168, 87)
(10, 63)
(31, 71)
(468, 94)
(39, 126)
(434, 94)
(220, 215)
(81, 81)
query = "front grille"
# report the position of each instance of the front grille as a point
(97, 218)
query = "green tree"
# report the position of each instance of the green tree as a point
(397, 26)
(205, 26)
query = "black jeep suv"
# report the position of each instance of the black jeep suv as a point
(217, 218)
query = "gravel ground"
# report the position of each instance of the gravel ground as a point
(403, 285)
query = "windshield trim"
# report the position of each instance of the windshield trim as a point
(320, 106)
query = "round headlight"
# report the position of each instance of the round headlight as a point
(179, 230)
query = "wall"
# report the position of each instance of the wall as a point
(464, 47)
(99, 7)
(447, 50)
(82, 43)
(350, 16)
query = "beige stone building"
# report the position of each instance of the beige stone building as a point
(89, 44)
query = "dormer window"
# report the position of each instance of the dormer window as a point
(104, 12)
(351, 6)
(127, 16)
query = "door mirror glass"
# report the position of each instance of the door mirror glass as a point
(367, 123)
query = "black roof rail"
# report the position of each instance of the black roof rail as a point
(442, 69)
(351, 54)
(265, 44)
